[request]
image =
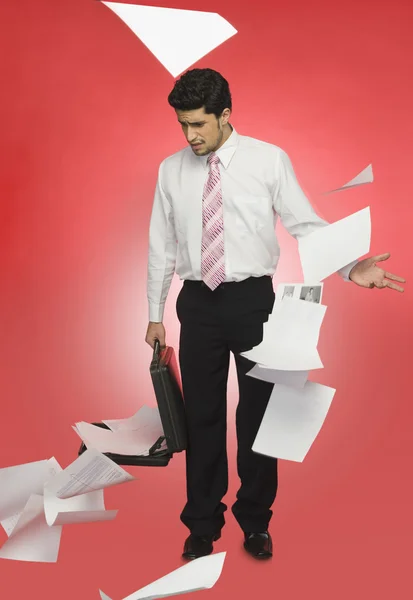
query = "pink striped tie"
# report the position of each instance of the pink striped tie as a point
(212, 254)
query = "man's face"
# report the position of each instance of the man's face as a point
(203, 132)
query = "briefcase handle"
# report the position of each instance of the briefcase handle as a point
(156, 350)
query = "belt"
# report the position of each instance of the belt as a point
(200, 283)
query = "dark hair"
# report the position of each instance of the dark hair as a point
(201, 88)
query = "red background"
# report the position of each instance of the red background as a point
(85, 124)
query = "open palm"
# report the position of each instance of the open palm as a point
(367, 274)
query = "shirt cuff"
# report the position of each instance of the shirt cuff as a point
(345, 271)
(156, 312)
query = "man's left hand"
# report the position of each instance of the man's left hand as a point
(367, 274)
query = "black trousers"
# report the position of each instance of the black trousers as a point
(213, 324)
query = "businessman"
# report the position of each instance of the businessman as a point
(213, 223)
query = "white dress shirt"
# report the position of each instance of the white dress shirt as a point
(258, 185)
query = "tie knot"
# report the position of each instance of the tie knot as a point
(213, 159)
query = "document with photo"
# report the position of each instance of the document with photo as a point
(301, 291)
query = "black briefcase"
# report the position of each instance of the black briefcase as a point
(167, 385)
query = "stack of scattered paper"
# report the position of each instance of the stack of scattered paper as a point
(297, 407)
(199, 574)
(133, 436)
(38, 498)
(290, 337)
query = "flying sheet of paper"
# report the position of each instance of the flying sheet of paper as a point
(365, 176)
(292, 420)
(145, 417)
(65, 497)
(199, 574)
(91, 471)
(334, 246)
(75, 495)
(30, 538)
(310, 292)
(10, 523)
(293, 378)
(290, 337)
(87, 508)
(172, 34)
(21, 482)
(124, 441)
(18, 482)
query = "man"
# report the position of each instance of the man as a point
(310, 295)
(213, 223)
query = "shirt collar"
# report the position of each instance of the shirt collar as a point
(226, 151)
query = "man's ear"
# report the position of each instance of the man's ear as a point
(226, 113)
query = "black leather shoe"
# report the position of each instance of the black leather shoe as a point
(199, 545)
(259, 545)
